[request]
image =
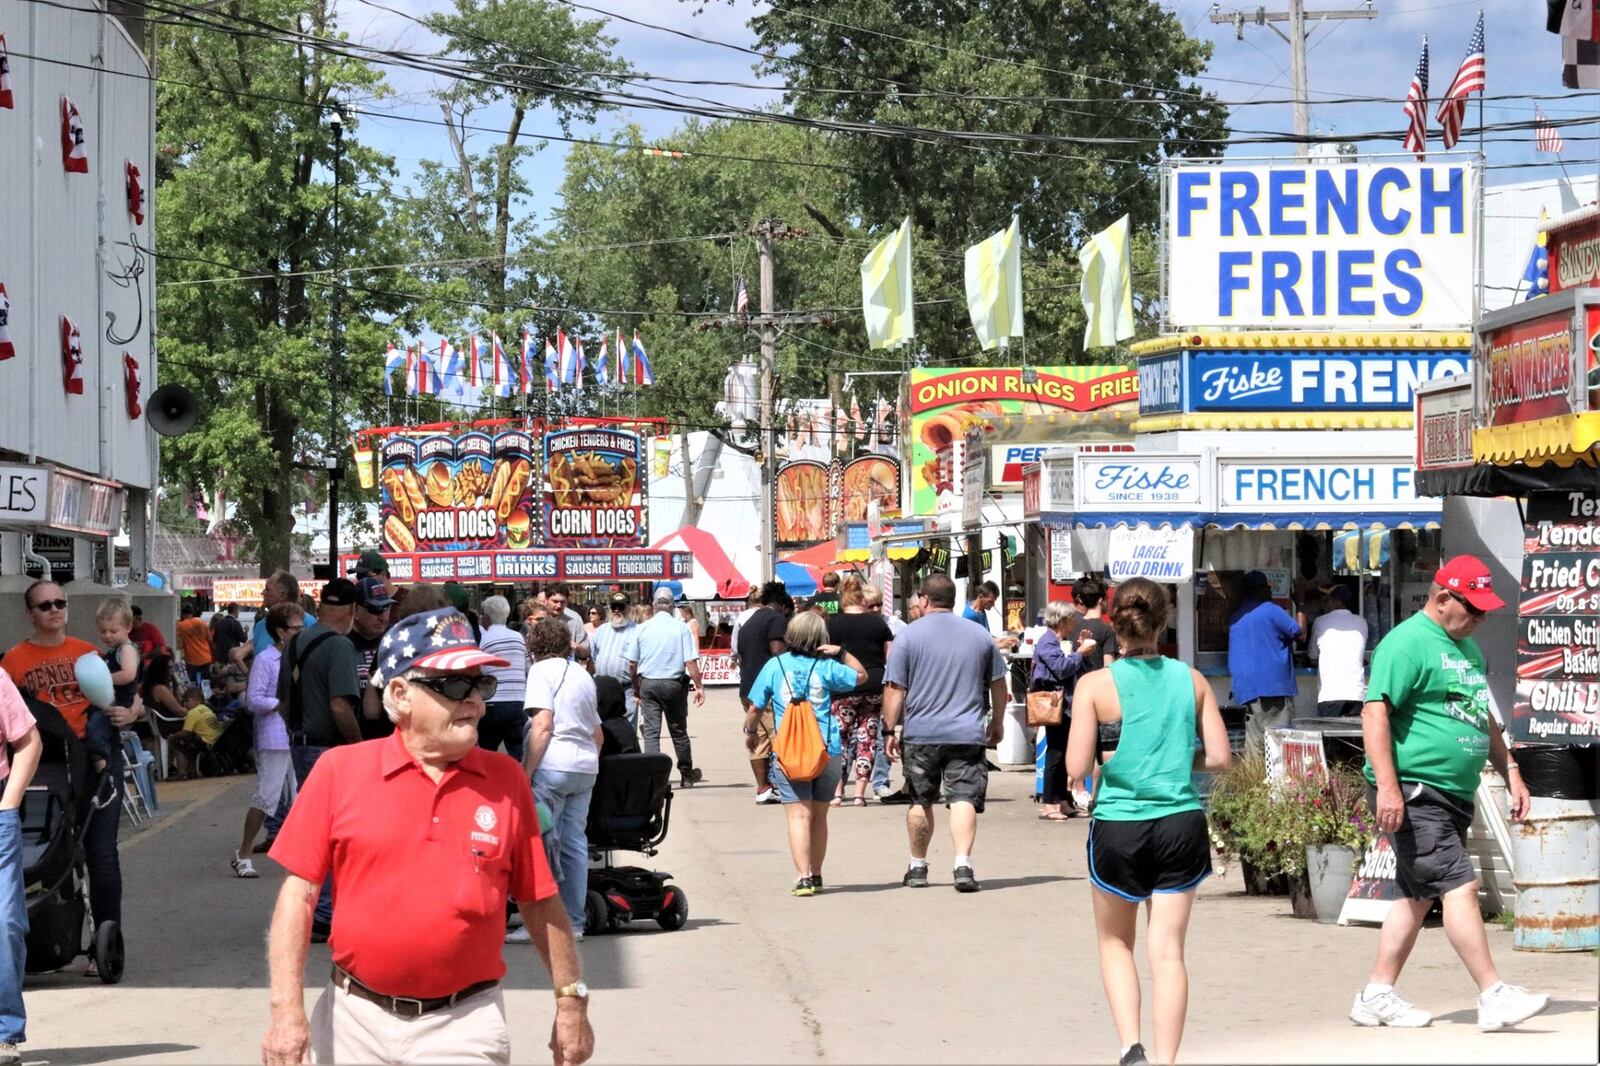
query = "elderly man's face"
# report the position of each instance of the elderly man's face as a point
(1455, 616)
(434, 721)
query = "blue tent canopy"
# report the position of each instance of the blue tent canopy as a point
(796, 579)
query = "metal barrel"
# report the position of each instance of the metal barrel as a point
(1556, 851)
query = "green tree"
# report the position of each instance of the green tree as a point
(245, 238)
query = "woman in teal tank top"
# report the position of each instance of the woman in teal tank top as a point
(1147, 839)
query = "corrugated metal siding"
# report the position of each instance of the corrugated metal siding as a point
(53, 224)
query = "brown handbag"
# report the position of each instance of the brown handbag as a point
(1044, 708)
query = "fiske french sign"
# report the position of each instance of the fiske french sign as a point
(1361, 245)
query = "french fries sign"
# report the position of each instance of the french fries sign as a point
(442, 493)
(594, 494)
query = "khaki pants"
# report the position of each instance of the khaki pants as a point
(348, 1029)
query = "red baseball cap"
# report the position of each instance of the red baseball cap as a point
(1466, 576)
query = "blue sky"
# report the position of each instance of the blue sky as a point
(1346, 58)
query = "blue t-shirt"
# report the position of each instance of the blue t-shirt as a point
(826, 676)
(1260, 651)
(972, 614)
(258, 634)
(945, 667)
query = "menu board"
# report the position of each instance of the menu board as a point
(461, 493)
(594, 496)
(1558, 622)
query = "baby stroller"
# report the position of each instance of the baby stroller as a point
(55, 814)
(630, 811)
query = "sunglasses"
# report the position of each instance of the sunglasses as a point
(457, 687)
(1473, 611)
(48, 605)
(374, 610)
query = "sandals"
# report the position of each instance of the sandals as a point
(860, 801)
(837, 801)
(243, 867)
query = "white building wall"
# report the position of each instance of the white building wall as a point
(1511, 220)
(59, 234)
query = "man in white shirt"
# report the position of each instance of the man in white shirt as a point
(1338, 646)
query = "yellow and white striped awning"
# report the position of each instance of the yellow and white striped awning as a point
(1563, 440)
(1270, 339)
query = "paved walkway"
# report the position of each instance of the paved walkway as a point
(866, 972)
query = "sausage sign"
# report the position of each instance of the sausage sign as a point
(1355, 246)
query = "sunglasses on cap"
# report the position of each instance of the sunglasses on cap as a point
(1462, 600)
(48, 605)
(457, 687)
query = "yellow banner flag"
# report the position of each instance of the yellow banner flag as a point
(994, 287)
(886, 290)
(1107, 286)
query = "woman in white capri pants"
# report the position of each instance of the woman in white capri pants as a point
(272, 738)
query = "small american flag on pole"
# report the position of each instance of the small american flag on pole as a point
(1469, 79)
(1416, 108)
(1546, 138)
(741, 300)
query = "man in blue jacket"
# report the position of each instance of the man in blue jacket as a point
(1261, 638)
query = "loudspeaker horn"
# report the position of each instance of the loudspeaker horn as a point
(173, 410)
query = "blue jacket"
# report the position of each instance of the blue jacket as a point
(1261, 651)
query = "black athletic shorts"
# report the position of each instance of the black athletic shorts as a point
(961, 770)
(1135, 859)
(1430, 847)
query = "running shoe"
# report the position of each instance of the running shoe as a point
(804, 887)
(1134, 1056)
(916, 876)
(1505, 1005)
(519, 935)
(243, 867)
(767, 795)
(1387, 1008)
(965, 882)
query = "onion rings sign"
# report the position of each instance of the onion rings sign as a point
(594, 492)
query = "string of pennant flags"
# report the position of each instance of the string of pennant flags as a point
(453, 372)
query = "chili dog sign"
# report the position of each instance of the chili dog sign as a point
(594, 496)
(1558, 622)
(462, 493)
(1358, 246)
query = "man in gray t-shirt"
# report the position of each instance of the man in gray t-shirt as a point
(942, 673)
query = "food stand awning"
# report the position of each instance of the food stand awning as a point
(1563, 440)
(824, 556)
(715, 576)
(1272, 521)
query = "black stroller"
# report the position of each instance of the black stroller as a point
(55, 814)
(630, 811)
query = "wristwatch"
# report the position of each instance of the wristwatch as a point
(576, 990)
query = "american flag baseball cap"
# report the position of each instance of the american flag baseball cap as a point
(433, 640)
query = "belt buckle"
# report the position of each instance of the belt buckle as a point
(396, 1001)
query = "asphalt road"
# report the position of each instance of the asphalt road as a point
(866, 972)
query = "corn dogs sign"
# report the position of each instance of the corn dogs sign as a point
(442, 493)
(594, 494)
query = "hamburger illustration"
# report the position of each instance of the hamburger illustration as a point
(519, 529)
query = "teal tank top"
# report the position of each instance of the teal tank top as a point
(1151, 773)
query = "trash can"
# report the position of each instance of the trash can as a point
(1016, 741)
(1556, 851)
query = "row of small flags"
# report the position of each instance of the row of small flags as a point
(457, 372)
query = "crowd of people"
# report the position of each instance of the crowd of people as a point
(400, 696)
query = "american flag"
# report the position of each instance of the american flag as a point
(741, 300)
(1416, 108)
(1469, 79)
(1546, 138)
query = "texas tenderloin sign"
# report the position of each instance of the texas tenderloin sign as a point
(1360, 245)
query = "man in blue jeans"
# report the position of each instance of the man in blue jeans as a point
(319, 688)
(19, 757)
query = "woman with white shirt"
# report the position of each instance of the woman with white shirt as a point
(284, 620)
(563, 756)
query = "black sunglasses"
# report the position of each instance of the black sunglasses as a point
(48, 605)
(457, 687)
(1473, 611)
(374, 610)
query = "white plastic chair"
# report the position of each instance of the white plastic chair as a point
(164, 756)
(139, 790)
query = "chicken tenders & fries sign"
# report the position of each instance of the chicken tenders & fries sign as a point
(442, 493)
(594, 494)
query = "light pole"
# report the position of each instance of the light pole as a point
(335, 348)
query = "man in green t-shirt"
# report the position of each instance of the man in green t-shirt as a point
(1428, 730)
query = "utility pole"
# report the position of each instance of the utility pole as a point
(335, 350)
(1296, 16)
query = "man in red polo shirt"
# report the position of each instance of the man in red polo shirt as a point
(426, 836)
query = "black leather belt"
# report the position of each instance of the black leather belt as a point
(405, 1006)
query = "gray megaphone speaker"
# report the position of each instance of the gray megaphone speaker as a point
(172, 410)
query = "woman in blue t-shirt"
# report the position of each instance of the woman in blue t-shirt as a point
(807, 671)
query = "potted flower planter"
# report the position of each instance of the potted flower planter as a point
(1329, 870)
(1300, 901)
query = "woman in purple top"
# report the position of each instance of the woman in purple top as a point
(1057, 669)
(284, 620)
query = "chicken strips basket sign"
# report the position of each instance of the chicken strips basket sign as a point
(594, 496)
(442, 493)
(1360, 246)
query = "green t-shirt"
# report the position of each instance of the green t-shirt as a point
(1439, 705)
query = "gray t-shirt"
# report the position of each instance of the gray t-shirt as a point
(329, 671)
(945, 664)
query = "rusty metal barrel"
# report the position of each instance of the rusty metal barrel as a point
(1556, 852)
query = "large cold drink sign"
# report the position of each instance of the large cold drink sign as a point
(1359, 246)
(1558, 622)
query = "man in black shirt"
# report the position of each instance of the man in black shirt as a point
(1089, 593)
(760, 638)
(371, 621)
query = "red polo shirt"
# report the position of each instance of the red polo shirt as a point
(421, 872)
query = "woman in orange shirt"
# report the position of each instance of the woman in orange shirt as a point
(194, 640)
(44, 664)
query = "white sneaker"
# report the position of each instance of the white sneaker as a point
(519, 935)
(1506, 1005)
(767, 795)
(1387, 1008)
(881, 791)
